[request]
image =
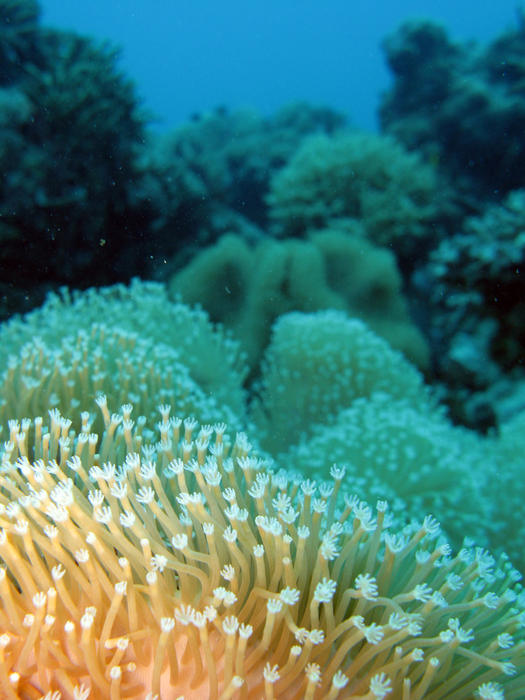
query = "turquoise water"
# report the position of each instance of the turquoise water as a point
(190, 57)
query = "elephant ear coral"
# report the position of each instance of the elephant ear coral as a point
(184, 567)
(248, 287)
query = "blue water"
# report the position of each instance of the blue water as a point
(191, 56)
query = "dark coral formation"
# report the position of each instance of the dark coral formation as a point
(461, 104)
(18, 37)
(70, 129)
(211, 175)
(475, 283)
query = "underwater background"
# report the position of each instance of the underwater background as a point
(188, 57)
(304, 225)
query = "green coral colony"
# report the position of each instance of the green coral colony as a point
(293, 465)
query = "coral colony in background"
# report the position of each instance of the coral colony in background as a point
(288, 461)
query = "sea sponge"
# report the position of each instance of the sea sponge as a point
(247, 287)
(185, 567)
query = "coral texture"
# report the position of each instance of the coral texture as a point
(248, 287)
(395, 449)
(318, 364)
(475, 289)
(214, 359)
(461, 104)
(183, 567)
(360, 176)
(98, 359)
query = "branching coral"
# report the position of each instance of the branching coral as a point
(184, 566)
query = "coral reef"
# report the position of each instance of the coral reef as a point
(92, 196)
(461, 104)
(476, 291)
(230, 157)
(70, 129)
(98, 359)
(141, 311)
(139, 576)
(358, 176)
(147, 549)
(319, 363)
(398, 450)
(321, 376)
(211, 175)
(247, 288)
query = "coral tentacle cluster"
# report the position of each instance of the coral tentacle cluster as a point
(169, 561)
